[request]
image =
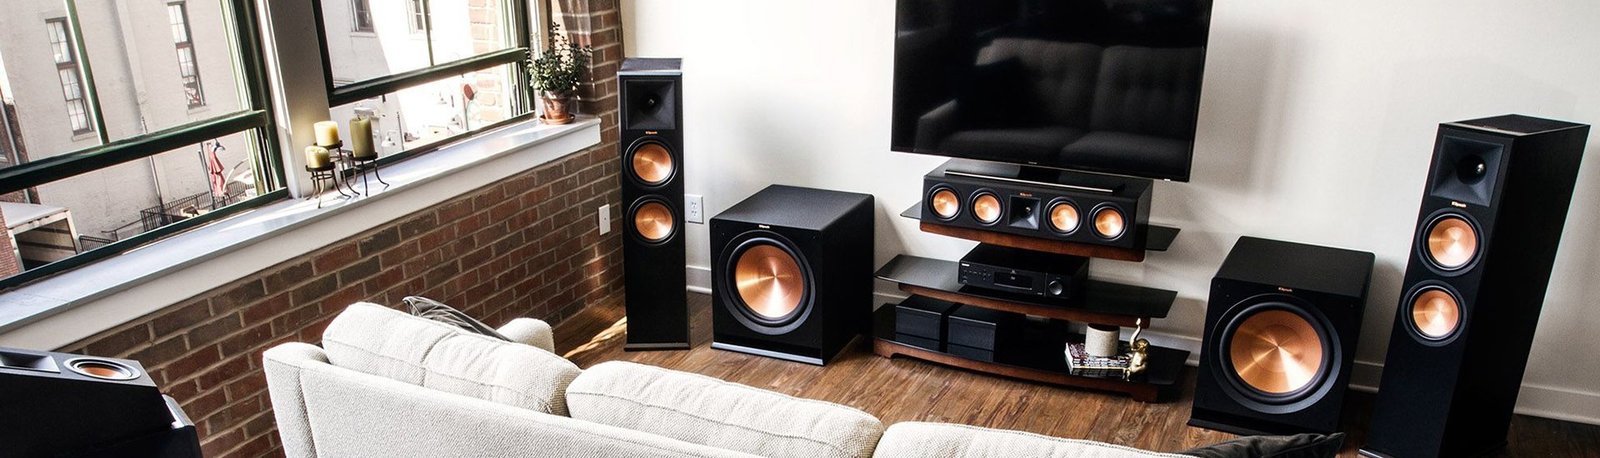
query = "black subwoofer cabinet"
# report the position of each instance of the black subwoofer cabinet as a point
(1280, 337)
(792, 273)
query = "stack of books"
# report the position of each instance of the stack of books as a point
(1082, 363)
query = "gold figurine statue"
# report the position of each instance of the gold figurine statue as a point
(1138, 351)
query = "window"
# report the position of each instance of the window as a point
(360, 16)
(419, 16)
(67, 72)
(151, 167)
(178, 16)
(438, 69)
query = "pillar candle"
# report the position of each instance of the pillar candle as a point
(327, 133)
(316, 157)
(361, 137)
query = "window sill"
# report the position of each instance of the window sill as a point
(73, 305)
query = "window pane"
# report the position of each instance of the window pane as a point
(398, 40)
(425, 114)
(87, 211)
(140, 73)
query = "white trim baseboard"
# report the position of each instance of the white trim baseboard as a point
(1555, 403)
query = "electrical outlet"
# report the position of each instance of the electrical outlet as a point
(605, 218)
(694, 209)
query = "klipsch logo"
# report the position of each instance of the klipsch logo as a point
(651, 132)
(1025, 194)
(1286, 290)
(763, 226)
(1457, 204)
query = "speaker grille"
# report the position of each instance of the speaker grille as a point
(769, 282)
(1452, 242)
(986, 207)
(1064, 216)
(653, 222)
(1277, 352)
(652, 164)
(1109, 222)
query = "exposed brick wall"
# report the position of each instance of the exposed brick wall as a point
(523, 247)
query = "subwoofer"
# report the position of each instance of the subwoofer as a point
(1091, 209)
(59, 404)
(792, 273)
(1492, 213)
(652, 194)
(1280, 337)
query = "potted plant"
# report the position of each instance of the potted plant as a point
(556, 73)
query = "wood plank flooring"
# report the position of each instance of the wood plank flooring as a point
(902, 389)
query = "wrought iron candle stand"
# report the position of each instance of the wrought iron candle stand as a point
(331, 175)
(362, 166)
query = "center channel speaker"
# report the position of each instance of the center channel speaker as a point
(1094, 210)
(792, 273)
(1492, 213)
(1280, 337)
(652, 192)
(60, 404)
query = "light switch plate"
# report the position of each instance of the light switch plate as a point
(605, 218)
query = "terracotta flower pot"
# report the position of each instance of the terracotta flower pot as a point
(557, 108)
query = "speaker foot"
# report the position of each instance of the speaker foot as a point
(655, 346)
(767, 353)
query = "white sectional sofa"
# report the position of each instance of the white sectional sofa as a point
(385, 383)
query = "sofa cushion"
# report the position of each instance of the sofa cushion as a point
(942, 440)
(381, 341)
(707, 411)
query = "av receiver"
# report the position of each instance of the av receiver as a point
(1024, 272)
(1065, 206)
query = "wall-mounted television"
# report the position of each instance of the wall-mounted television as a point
(1105, 86)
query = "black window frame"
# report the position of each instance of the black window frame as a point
(256, 118)
(519, 15)
(193, 89)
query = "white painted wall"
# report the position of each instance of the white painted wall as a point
(1317, 123)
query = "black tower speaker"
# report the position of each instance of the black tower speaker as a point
(1280, 337)
(1492, 212)
(652, 194)
(59, 404)
(792, 273)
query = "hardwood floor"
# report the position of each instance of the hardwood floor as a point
(901, 389)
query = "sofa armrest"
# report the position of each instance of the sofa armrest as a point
(283, 365)
(529, 331)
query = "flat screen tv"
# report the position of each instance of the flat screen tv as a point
(1105, 86)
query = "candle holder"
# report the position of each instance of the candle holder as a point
(362, 166)
(326, 174)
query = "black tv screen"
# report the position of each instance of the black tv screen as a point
(1107, 86)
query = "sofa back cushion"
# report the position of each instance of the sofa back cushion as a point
(943, 440)
(381, 341)
(707, 411)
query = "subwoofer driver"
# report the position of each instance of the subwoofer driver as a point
(769, 283)
(1277, 354)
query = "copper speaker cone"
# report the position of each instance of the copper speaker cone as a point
(1276, 352)
(1064, 217)
(769, 281)
(102, 369)
(1108, 222)
(1452, 242)
(654, 221)
(1436, 314)
(946, 204)
(986, 207)
(652, 163)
